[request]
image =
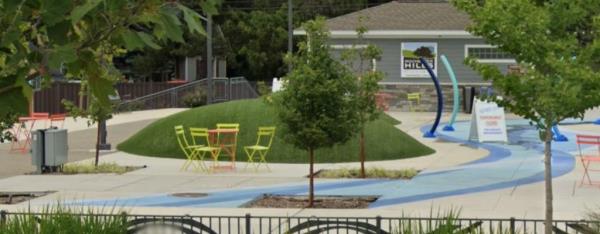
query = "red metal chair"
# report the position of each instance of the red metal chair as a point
(58, 118)
(41, 116)
(587, 159)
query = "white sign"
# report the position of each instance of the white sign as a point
(277, 85)
(411, 66)
(487, 122)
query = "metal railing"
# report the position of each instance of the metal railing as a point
(223, 89)
(281, 224)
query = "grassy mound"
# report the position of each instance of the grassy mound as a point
(383, 140)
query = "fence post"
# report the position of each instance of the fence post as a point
(378, 224)
(512, 225)
(3, 215)
(248, 227)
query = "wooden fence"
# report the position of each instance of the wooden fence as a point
(50, 99)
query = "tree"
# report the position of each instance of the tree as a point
(557, 45)
(423, 52)
(367, 78)
(317, 105)
(259, 41)
(80, 38)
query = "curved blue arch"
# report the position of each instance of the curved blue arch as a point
(440, 97)
(456, 101)
(557, 136)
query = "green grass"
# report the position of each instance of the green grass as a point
(89, 168)
(371, 172)
(59, 220)
(383, 140)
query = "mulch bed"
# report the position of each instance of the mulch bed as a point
(321, 202)
(9, 198)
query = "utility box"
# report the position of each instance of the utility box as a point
(49, 149)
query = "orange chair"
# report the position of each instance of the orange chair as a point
(58, 118)
(41, 116)
(587, 159)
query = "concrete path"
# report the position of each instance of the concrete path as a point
(82, 139)
(163, 177)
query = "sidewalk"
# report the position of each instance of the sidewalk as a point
(163, 177)
(82, 139)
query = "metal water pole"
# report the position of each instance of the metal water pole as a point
(456, 97)
(209, 58)
(440, 97)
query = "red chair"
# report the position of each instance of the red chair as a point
(587, 159)
(58, 118)
(41, 116)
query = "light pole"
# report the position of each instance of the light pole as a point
(209, 58)
(290, 32)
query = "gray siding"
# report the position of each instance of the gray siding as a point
(454, 49)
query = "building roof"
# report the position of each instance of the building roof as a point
(403, 19)
(403, 15)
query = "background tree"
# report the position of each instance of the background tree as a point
(80, 38)
(557, 46)
(258, 41)
(360, 58)
(423, 52)
(316, 106)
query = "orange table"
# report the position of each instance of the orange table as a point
(22, 132)
(381, 100)
(226, 139)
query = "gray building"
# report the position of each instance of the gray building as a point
(399, 28)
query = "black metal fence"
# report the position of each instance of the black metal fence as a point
(223, 89)
(373, 225)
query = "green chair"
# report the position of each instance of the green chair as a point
(189, 150)
(262, 147)
(201, 134)
(416, 97)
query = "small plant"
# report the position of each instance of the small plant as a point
(59, 219)
(594, 216)
(263, 88)
(373, 172)
(85, 168)
(195, 99)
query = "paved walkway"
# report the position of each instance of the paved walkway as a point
(82, 139)
(520, 200)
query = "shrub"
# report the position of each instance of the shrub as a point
(263, 88)
(195, 99)
(59, 220)
(373, 172)
(88, 168)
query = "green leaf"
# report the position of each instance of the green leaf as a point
(81, 10)
(10, 36)
(132, 40)
(114, 5)
(101, 88)
(60, 55)
(58, 33)
(54, 11)
(210, 6)
(192, 19)
(147, 39)
(172, 26)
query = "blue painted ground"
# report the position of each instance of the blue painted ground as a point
(507, 165)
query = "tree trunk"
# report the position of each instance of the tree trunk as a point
(362, 154)
(97, 145)
(311, 187)
(548, 179)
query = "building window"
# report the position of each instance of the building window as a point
(487, 54)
